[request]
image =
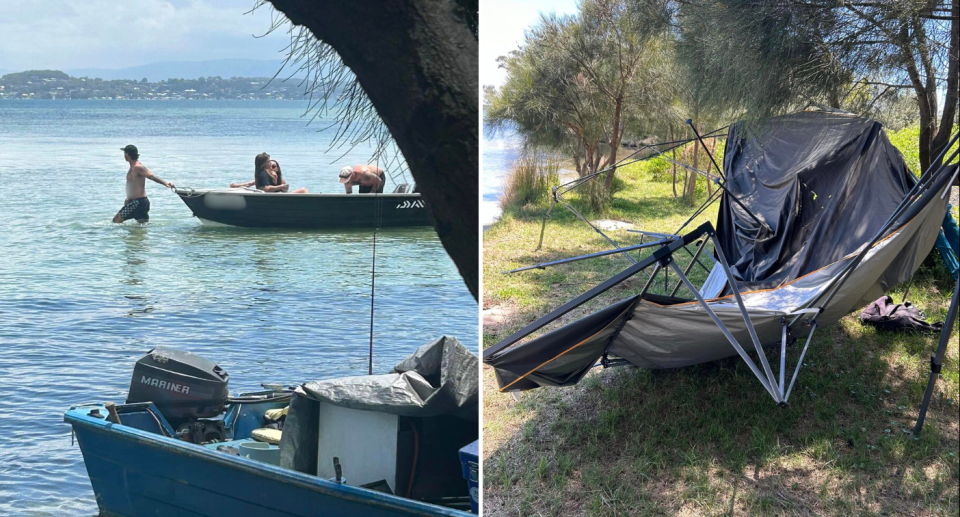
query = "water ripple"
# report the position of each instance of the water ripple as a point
(81, 299)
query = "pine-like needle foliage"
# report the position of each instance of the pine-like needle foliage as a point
(766, 57)
(334, 94)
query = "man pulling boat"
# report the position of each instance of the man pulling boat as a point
(137, 206)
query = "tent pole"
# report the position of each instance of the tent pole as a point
(664, 251)
(697, 133)
(783, 356)
(646, 286)
(806, 345)
(710, 200)
(936, 361)
(746, 315)
(705, 268)
(584, 219)
(686, 271)
(625, 249)
(543, 227)
(733, 341)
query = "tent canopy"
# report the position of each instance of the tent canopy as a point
(824, 183)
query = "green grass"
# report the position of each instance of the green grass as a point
(706, 440)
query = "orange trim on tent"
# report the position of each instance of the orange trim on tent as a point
(630, 306)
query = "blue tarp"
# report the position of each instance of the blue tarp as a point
(948, 243)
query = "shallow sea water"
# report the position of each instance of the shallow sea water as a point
(81, 299)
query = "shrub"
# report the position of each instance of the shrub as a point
(529, 181)
(595, 194)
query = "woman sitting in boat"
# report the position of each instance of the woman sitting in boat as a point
(369, 178)
(267, 176)
(270, 179)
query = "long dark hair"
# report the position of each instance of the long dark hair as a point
(258, 162)
(279, 174)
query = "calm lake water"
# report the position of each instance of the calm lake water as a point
(81, 299)
(500, 150)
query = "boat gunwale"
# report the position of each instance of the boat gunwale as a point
(77, 415)
(192, 193)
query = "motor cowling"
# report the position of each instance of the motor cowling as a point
(182, 385)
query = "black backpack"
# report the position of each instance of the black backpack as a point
(885, 315)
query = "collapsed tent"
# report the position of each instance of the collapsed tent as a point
(819, 215)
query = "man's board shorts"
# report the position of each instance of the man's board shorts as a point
(369, 189)
(138, 209)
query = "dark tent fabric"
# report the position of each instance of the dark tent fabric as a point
(812, 177)
(570, 351)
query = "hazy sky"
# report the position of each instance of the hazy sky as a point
(502, 25)
(63, 34)
(67, 34)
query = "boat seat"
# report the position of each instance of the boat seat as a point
(265, 434)
(275, 414)
(271, 436)
(402, 188)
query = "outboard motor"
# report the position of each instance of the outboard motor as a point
(183, 386)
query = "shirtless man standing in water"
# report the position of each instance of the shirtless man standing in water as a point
(137, 206)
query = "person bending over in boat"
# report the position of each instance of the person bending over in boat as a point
(369, 178)
(137, 206)
(270, 179)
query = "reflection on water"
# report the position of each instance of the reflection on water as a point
(81, 298)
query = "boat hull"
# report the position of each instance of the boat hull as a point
(254, 209)
(135, 473)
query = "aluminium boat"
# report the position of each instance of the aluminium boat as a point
(250, 208)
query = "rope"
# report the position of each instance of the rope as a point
(373, 271)
(185, 192)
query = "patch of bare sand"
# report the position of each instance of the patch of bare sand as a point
(612, 225)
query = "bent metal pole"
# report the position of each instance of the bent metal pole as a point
(936, 361)
(625, 249)
(723, 329)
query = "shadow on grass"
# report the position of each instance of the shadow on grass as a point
(708, 439)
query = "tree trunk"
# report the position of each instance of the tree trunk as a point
(713, 151)
(588, 166)
(692, 182)
(615, 139)
(674, 165)
(952, 99)
(417, 62)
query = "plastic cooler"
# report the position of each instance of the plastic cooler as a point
(470, 461)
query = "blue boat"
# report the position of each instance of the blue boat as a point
(135, 470)
(139, 464)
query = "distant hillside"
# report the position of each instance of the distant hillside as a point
(225, 68)
(54, 84)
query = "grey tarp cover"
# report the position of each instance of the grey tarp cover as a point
(858, 178)
(440, 378)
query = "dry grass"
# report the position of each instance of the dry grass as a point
(529, 181)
